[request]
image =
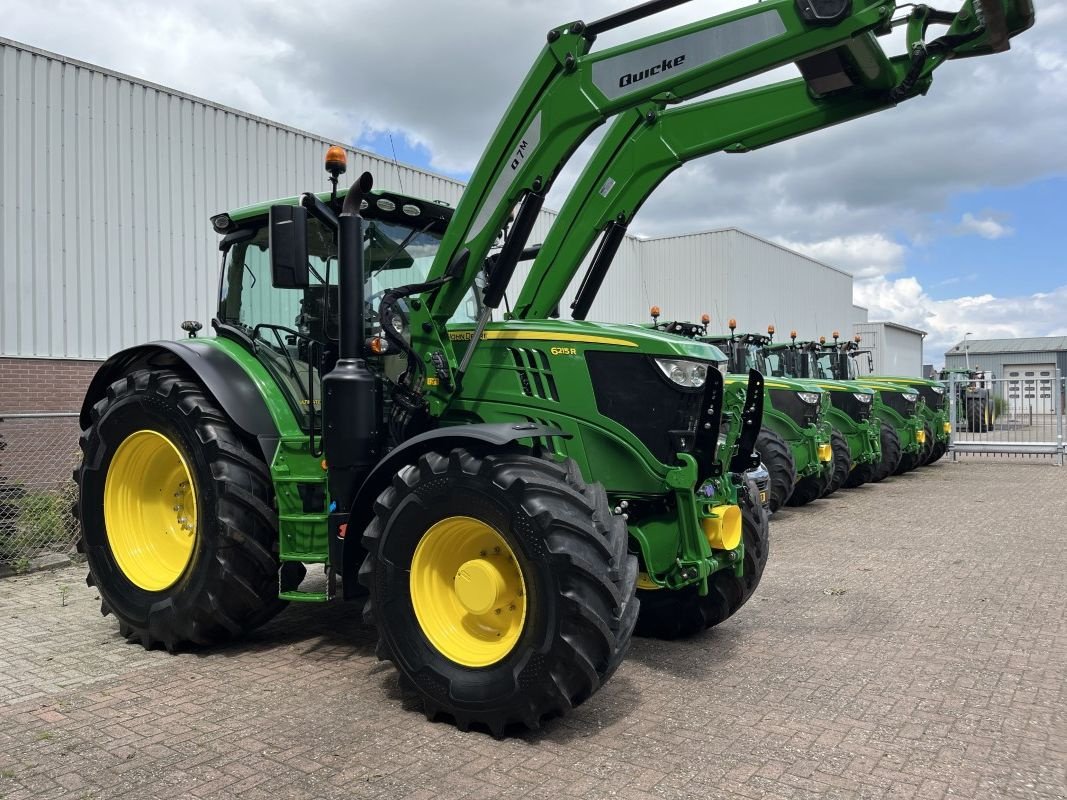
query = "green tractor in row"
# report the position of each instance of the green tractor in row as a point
(856, 432)
(795, 442)
(897, 406)
(506, 501)
(933, 409)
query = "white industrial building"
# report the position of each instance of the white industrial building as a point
(107, 184)
(895, 349)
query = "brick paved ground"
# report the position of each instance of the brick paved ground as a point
(894, 649)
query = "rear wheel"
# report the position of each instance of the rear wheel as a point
(778, 459)
(176, 516)
(670, 614)
(842, 464)
(500, 586)
(940, 448)
(890, 454)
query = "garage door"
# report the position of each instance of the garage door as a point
(1029, 387)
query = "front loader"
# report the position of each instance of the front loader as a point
(488, 492)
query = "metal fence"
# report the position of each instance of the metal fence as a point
(38, 453)
(1019, 417)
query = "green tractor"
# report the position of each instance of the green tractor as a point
(896, 406)
(975, 404)
(795, 442)
(933, 408)
(856, 432)
(491, 494)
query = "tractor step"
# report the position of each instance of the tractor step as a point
(305, 597)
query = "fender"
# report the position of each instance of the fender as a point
(751, 420)
(481, 437)
(219, 374)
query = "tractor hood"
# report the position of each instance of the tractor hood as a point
(916, 382)
(791, 384)
(837, 386)
(589, 336)
(885, 386)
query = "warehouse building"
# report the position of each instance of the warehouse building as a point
(895, 349)
(1029, 367)
(107, 185)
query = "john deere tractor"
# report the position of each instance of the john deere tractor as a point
(975, 406)
(795, 441)
(933, 409)
(903, 435)
(856, 432)
(487, 492)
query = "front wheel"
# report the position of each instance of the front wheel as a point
(890, 454)
(842, 464)
(777, 457)
(500, 586)
(676, 614)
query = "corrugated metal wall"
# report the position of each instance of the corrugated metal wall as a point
(734, 274)
(107, 185)
(106, 189)
(997, 363)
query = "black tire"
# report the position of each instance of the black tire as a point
(890, 454)
(777, 457)
(978, 415)
(940, 448)
(231, 583)
(667, 614)
(572, 553)
(861, 474)
(842, 464)
(808, 489)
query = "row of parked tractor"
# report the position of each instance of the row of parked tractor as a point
(827, 423)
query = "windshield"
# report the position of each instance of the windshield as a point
(753, 358)
(295, 331)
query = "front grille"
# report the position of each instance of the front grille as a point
(848, 404)
(535, 373)
(896, 401)
(933, 400)
(786, 401)
(631, 390)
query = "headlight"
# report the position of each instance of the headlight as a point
(863, 398)
(811, 398)
(937, 389)
(721, 367)
(909, 396)
(691, 374)
(398, 323)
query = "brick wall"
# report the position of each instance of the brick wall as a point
(38, 454)
(43, 384)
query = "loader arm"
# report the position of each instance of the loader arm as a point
(570, 91)
(646, 144)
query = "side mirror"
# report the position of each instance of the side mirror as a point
(289, 247)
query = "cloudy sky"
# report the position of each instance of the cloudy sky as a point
(950, 210)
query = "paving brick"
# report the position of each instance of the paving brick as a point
(937, 674)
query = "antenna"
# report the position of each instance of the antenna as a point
(396, 164)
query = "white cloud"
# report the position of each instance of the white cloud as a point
(987, 316)
(986, 227)
(865, 255)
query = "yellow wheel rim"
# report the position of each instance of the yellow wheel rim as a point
(468, 591)
(150, 510)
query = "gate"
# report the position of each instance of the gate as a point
(1019, 416)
